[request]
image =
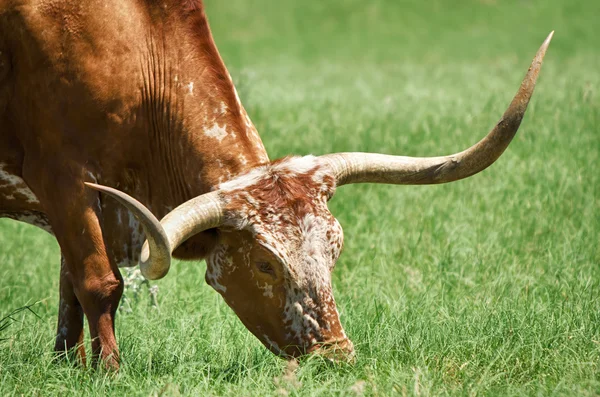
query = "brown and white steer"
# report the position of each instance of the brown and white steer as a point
(134, 95)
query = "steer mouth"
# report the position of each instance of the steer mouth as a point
(336, 351)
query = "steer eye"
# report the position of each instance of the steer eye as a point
(265, 267)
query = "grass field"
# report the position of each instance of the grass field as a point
(487, 286)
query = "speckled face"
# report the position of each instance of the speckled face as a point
(275, 255)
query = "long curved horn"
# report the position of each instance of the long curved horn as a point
(379, 168)
(162, 238)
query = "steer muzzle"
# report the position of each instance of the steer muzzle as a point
(338, 351)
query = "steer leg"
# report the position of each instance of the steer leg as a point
(100, 298)
(98, 286)
(74, 213)
(69, 334)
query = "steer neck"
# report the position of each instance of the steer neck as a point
(196, 130)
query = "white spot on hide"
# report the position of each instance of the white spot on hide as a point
(217, 132)
(267, 290)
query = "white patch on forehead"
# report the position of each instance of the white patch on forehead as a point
(245, 180)
(216, 131)
(15, 185)
(299, 165)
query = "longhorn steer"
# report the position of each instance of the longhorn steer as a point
(134, 95)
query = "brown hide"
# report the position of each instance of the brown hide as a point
(131, 94)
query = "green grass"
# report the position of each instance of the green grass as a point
(486, 286)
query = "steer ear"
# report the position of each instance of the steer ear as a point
(379, 168)
(190, 218)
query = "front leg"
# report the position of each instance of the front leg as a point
(69, 333)
(75, 215)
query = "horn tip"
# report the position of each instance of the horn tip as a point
(539, 56)
(548, 39)
(95, 186)
(100, 188)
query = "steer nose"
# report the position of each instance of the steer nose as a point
(338, 350)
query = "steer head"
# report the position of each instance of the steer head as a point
(278, 241)
(278, 245)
